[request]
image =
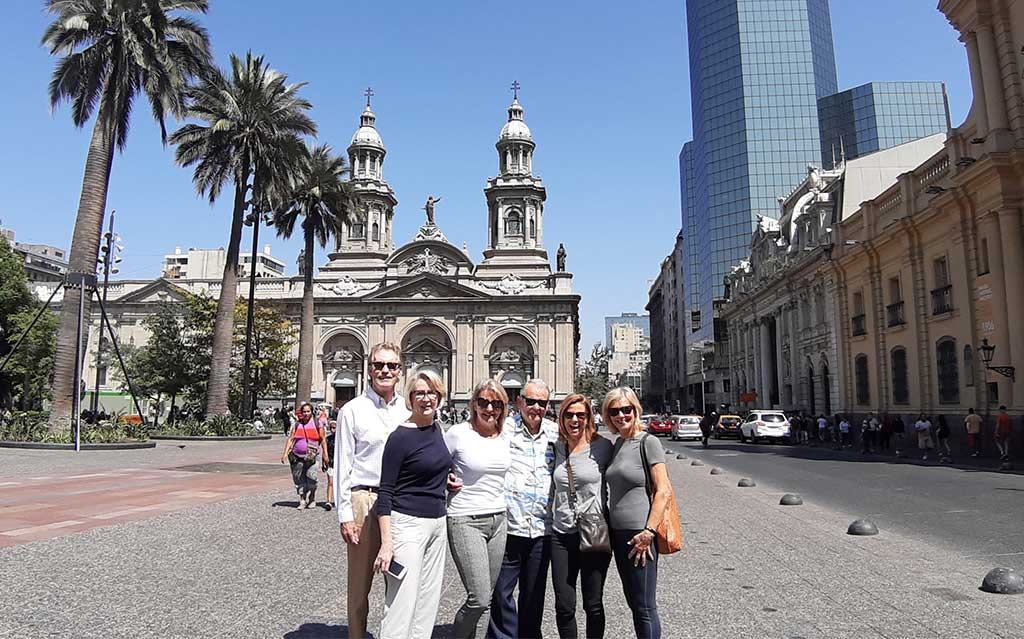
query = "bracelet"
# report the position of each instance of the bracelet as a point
(651, 530)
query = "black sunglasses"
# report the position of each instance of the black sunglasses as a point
(391, 366)
(581, 416)
(624, 410)
(496, 404)
(530, 401)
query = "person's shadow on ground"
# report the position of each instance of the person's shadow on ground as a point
(330, 631)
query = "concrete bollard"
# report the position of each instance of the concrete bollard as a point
(696, 462)
(1006, 465)
(716, 471)
(862, 528)
(746, 483)
(1003, 581)
(681, 457)
(789, 499)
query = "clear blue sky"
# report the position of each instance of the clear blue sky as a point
(605, 88)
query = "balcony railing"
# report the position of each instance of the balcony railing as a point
(860, 324)
(895, 313)
(942, 299)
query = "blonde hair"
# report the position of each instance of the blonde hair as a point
(434, 382)
(624, 393)
(589, 430)
(492, 385)
(384, 346)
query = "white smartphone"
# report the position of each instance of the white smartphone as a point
(397, 570)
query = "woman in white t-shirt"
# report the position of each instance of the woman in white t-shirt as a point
(476, 510)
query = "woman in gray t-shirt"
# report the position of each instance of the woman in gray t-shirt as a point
(581, 450)
(634, 512)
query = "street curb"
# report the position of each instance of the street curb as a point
(211, 438)
(100, 446)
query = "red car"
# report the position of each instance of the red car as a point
(660, 425)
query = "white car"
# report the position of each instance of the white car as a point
(686, 427)
(765, 424)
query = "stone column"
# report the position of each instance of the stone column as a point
(778, 358)
(766, 366)
(979, 110)
(794, 357)
(750, 358)
(1013, 265)
(500, 221)
(995, 102)
(1000, 335)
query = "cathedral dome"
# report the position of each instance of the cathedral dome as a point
(515, 128)
(366, 134)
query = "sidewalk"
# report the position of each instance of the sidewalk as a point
(750, 568)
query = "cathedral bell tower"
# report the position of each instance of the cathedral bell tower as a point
(368, 238)
(515, 201)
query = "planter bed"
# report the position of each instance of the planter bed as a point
(210, 438)
(132, 445)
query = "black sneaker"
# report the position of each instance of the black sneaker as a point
(328, 505)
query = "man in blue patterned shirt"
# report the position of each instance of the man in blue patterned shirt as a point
(528, 544)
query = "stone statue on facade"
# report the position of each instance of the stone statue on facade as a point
(301, 262)
(429, 208)
(560, 257)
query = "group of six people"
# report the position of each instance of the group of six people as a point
(503, 494)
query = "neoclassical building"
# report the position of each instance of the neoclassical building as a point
(509, 316)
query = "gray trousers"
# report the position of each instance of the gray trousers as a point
(304, 475)
(477, 543)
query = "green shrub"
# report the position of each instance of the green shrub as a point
(32, 427)
(216, 426)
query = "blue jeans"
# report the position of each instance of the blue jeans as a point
(639, 584)
(526, 563)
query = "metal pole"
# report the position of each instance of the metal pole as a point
(76, 419)
(108, 252)
(246, 412)
(124, 369)
(31, 325)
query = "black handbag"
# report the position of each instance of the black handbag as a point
(592, 526)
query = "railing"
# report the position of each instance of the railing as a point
(895, 313)
(942, 299)
(891, 202)
(860, 324)
(933, 171)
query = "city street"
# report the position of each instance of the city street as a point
(202, 541)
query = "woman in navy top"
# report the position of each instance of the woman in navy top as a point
(411, 511)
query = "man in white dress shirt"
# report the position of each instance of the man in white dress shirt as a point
(364, 424)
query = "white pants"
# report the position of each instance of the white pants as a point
(410, 605)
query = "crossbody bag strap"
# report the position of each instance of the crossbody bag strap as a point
(647, 468)
(572, 484)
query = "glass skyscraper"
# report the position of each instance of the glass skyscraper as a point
(757, 71)
(880, 115)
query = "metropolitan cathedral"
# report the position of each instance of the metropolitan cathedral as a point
(509, 316)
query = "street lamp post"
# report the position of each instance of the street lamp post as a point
(254, 219)
(108, 259)
(987, 352)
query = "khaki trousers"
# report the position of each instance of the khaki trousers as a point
(360, 561)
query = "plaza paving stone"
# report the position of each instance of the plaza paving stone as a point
(157, 551)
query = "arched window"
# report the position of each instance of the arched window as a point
(860, 374)
(514, 223)
(359, 230)
(948, 370)
(376, 232)
(900, 385)
(968, 366)
(533, 229)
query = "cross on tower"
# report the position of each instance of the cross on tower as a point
(368, 93)
(515, 89)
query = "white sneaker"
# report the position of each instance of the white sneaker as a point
(302, 503)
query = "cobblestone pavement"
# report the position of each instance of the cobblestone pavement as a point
(239, 565)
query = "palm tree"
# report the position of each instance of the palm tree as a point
(321, 197)
(111, 52)
(250, 131)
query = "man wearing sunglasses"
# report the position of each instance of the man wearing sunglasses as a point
(364, 425)
(528, 543)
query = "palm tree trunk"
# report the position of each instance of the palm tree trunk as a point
(224, 324)
(304, 384)
(85, 246)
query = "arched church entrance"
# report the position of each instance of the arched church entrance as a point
(344, 373)
(511, 363)
(427, 347)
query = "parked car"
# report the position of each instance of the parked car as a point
(645, 421)
(660, 425)
(686, 427)
(727, 426)
(765, 424)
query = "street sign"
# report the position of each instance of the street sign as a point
(748, 397)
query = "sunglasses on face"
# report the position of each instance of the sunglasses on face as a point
(530, 401)
(580, 416)
(391, 366)
(625, 411)
(421, 394)
(495, 404)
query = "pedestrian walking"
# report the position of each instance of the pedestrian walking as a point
(844, 432)
(633, 512)
(805, 428)
(899, 429)
(923, 430)
(303, 450)
(476, 511)
(328, 462)
(364, 426)
(973, 425)
(822, 428)
(885, 434)
(411, 514)
(581, 458)
(869, 432)
(706, 424)
(527, 557)
(1003, 429)
(942, 435)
